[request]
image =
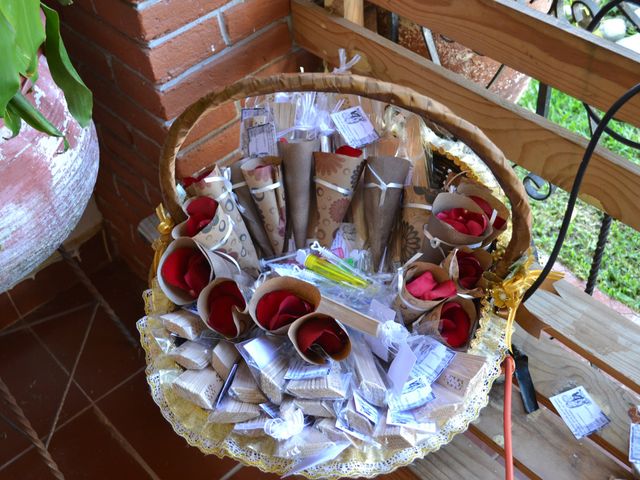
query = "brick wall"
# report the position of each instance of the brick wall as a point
(147, 60)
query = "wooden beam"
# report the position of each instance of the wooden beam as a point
(558, 54)
(611, 183)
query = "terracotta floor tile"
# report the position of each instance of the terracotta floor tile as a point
(153, 438)
(37, 382)
(12, 442)
(8, 314)
(84, 449)
(77, 296)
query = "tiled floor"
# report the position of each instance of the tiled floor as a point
(74, 374)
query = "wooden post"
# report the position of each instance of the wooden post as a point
(352, 10)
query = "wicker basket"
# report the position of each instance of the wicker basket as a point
(489, 339)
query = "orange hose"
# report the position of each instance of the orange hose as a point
(509, 367)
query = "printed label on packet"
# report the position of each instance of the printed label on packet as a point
(253, 112)
(262, 140)
(365, 409)
(262, 350)
(354, 125)
(432, 357)
(415, 393)
(578, 410)
(406, 419)
(634, 443)
(301, 370)
(401, 367)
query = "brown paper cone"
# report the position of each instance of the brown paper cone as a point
(341, 172)
(409, 306)
(249, 211)
(261, 174)
(381, 215)
(297, 161)
(450, 264)
(429, 323)
(416, 210)
(304, 290)
(441, 237)
(314, 357)
(241, 318)
(470, 188)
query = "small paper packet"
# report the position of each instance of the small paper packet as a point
(267, 359)
(252, 428)
(191, 355)
(445, 404)
(244, 387)
(333, 386)
(223, 357)
(199, 386)
(315, 408)
(183, 323)
(230, 410)
(463, 373)
(368, 377)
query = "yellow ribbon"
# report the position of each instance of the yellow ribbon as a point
(161, 243)
(509, 292)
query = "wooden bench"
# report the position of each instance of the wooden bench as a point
(570, 338)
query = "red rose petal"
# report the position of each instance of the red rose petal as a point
(454, 324)
(175, 266)
(221, 316)
(499, 222)
(201, 211)
(188, 181)
(349, 151)
(324, 332)
(425, 287)
(198, 273)
(464, 221)
(469, 269)
(279, 308)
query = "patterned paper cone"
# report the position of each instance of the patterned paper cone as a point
(441, 237)
(409, 306)
(383, 181)
(217, 185)
(264, 178)
(315, 357)
(297, 161)
(241, 318)
(430, 323)
(416, 210)
(336, 178)
(249, 211)
(450, 264)
(469, 188)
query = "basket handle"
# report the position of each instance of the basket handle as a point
(376, 90)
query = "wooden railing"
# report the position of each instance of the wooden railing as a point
(563, 326)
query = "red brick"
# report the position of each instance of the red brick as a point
(82, 50)
(153, 192)
(140, 207)
(212, 121)
(105, 119)
(144, 168)
(208, 152)
(121, 169)
(236, 64)
(138, 88)
(147, 148)
(251, 15)
(122, 16)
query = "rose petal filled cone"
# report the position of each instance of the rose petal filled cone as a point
(479, 192)
(336, 179)
(454, 328)
(279, 289)
(264, 178)
(409, 306)
(249, 211)
(297, 162)
(319, 331)
(222, 308)
(465, 267)
(416, 210)
(383, 184)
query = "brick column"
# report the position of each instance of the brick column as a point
(146, 61)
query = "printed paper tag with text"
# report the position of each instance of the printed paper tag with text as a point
(254, 112)
(432, 357)
(578, 410)
(262, 140)
(634, 443)
(354, 125)
(301, 370)
(365, 409)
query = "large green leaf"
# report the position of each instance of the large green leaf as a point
(24, 16)
(12, 120)
(9, 76)
(20, 106)
(78, 96)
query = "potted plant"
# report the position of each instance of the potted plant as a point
(48, 144)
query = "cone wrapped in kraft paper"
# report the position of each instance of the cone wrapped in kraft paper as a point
(416, 210)
(297, 161)
(184, 270)
(217, 185)
(248, 210)
(466, 268)
(317, 336)
(456, 221)
(336, 178)
(279, 301)
(423, 287)
(493, 208)
(264, 178)
(219, 233)
(223, 309)
(450, 322)
(383, 184)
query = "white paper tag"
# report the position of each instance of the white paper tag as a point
(578, 410)
(354, 125)
(406, 419)
(365, 409)
(253, 112)
(401, 367)
(262, 140)
(415, 394)
(342, 425)
(262, 350)
(301, 370)
(432, 357)
(634, 443)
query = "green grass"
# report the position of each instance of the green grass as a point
(620, 272)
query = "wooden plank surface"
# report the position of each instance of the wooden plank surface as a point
(555, 369)
(543, 444)
(558, 54)
(605, 338)
(462, 458)
(611, 183)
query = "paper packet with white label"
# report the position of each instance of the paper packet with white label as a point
(578, 410)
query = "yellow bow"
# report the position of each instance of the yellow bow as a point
(155, 301)
(509, 292)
